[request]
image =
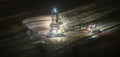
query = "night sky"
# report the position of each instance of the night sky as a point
(10, 7)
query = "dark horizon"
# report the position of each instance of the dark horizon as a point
(11, 7)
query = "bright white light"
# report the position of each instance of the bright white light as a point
(59, 31)
(54, 31)
(55, 10)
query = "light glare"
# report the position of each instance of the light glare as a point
(55, 10)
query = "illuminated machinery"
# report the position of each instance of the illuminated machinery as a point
(55, 27)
